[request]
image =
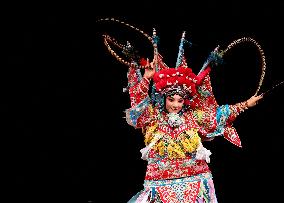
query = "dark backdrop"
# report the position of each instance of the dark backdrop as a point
(64, 138)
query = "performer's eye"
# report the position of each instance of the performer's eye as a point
(180, 101)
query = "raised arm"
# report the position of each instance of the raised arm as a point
(217, 120)
(138, 89)
(141, 109)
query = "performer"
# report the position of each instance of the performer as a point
(176, 111)
(188, 114)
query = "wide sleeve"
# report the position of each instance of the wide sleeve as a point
(214, 119)
(141, 111)
(223, 118)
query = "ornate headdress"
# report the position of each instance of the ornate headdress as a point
(180, 79)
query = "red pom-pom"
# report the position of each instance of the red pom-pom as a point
(143, 62)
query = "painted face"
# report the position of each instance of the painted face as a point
(174, 103)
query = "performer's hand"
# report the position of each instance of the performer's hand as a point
(149, 70)
(254, 100)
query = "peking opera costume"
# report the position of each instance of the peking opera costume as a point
(177, 162)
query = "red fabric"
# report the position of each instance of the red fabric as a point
(176, 169)
(190, 190)
(200, 77)
(231, 135)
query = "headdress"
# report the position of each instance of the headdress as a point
(179, 79)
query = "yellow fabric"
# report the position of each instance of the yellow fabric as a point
(186, 142)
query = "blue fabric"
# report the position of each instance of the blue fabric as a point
(222, 114)
(135, 112)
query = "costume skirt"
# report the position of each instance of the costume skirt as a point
(193, 189)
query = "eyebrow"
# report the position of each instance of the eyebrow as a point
(172, 97)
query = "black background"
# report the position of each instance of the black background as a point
(64, 138)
